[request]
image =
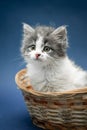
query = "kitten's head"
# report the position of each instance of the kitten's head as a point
(42, 44)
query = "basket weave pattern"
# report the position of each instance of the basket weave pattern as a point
(55, 111)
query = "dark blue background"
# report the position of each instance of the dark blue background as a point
(13, 112)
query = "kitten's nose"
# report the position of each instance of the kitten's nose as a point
(37, 55)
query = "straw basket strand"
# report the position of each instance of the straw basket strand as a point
(54, 111)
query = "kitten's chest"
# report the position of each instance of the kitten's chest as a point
(36, 73)
(42, 74)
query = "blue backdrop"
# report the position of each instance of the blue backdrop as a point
(13, 112)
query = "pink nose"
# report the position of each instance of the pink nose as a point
(37, 55)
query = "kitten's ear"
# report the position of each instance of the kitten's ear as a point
(27, 29)
(60, 32)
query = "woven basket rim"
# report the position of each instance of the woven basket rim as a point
(29, 88)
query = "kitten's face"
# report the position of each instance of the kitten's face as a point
(43, 43)
(38, 50)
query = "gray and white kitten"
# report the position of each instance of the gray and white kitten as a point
(48, 66)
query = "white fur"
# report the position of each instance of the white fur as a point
(39, 43)
(60, 75)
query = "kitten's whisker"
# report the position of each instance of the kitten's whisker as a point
(18, 58)
(22, 63)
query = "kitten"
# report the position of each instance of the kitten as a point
(48, 66)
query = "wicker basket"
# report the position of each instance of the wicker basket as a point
(54, 111)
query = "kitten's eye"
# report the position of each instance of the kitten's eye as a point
(31, 48)
(47, 49)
